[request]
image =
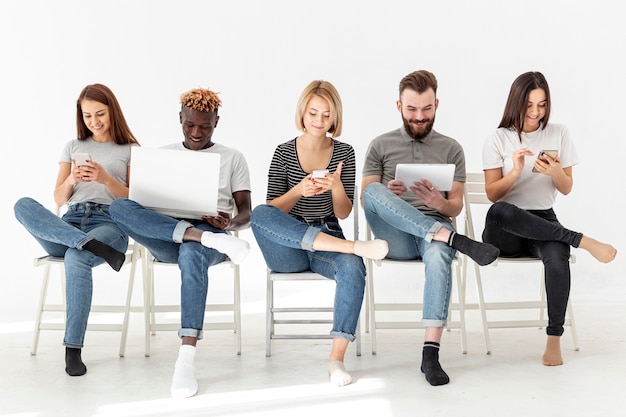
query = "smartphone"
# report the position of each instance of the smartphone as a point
(81, 158)
(552, 153)
(319, 173)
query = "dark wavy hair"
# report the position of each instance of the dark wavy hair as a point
(119, 130)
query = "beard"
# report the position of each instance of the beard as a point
(418, 133)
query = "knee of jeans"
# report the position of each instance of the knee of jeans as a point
(353, 266)
(499, 210)
(80, 258)
(439, 253)
(190, 251)
(260, 211)
(19, 204)
(117, 206)
(557, 252)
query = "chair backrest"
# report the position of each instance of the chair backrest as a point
(474, 194)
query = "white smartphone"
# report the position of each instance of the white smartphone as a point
(81, 158)
(319, 173)
(552, 153)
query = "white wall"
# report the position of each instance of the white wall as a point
(260, 54)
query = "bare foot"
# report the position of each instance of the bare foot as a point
(552, 355)
(601, 251)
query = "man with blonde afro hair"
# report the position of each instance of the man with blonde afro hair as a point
(195, 244)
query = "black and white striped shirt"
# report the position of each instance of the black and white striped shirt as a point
(286, 172)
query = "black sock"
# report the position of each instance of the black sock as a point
(74, 365)
(431, 368)
(482, 253)
(113, 257)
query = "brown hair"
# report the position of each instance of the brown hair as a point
(201, 99)
(419, 81)
(515, 108)
(328, 92)
(119, 131)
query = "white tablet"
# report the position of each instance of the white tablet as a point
(440, 175)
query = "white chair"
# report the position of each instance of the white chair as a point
(214, 312)
(475, 194)
(403, 315)
(315, 315)
(44, 306)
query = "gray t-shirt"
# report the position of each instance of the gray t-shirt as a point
(115, 160)
(395, 147)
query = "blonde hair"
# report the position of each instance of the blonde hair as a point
(201, 99)
(328, 92)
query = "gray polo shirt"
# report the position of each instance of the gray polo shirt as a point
(395, 147)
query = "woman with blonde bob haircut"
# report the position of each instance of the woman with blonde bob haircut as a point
(311, 185)
(328, 92)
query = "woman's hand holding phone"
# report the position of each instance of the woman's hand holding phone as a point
(542, 163)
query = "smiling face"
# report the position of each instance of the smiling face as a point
(198, 127)
(96, 118)
(535, 109)
(418, 111)
(316, 118)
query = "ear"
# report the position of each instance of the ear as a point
(180, 117)
(217, 119)
(436, 103)
(399, 105)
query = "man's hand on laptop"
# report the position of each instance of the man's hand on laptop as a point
(221, 221)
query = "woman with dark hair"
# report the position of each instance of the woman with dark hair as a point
(93, 171)
(526, 162)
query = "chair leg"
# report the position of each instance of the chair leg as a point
(43, 295)
(129, 296)
(372, 306)
(269, 315)
(358, 338)
(148, 298)
(237, 299)
(461, 296)
(482, 307)
(572, 324)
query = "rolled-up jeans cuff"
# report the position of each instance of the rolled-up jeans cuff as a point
(432, 231)
(309, 238)
(342, 335)
(434, 323)
(179, 231)
(190, 333)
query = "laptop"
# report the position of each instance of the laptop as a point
(440, 175)
(178, 183)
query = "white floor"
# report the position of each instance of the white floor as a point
(293, 381)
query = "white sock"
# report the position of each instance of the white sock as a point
(235, 248)
(338, 374)
(184, 382)
(371, 249)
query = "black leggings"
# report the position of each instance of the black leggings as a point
(537, 233)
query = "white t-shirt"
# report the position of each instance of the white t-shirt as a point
(532, 191)
(234, 173)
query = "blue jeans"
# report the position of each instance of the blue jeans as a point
(537, 233)
(163, 236)
(287, 246)
(64, 237)
(409, 233)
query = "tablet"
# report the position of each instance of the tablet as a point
(440, 175)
